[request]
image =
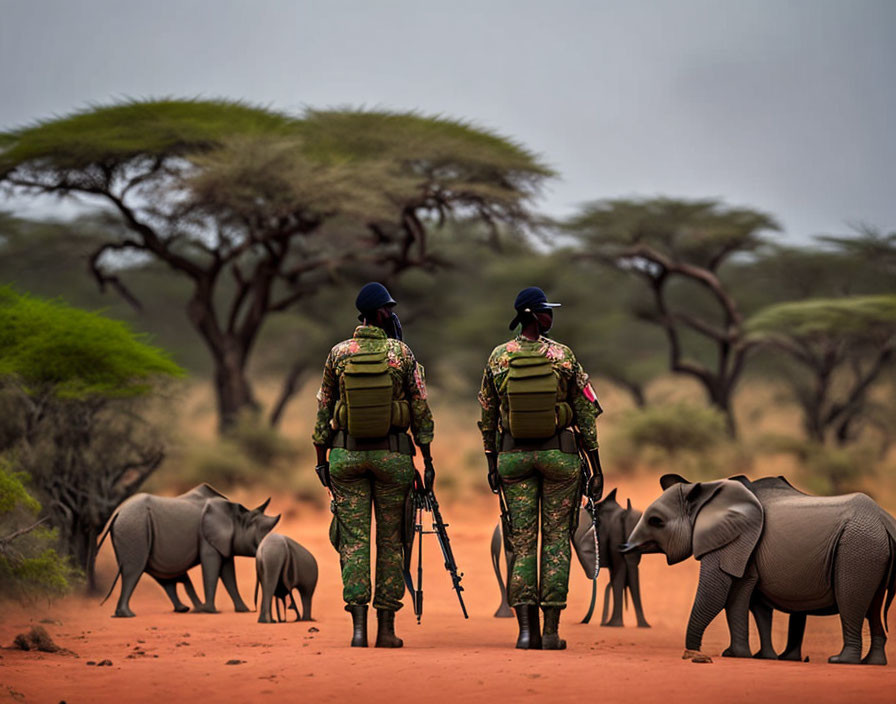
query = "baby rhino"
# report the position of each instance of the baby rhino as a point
(281, 565)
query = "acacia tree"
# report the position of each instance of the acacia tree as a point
(663, 241)
(70, 384)
(258, 209)
(845, 344)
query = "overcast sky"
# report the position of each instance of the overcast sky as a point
(784, 105)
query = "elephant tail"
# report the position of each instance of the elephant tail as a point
(114, 582)
(107, 531)
(99, 545)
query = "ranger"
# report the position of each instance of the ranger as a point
(538, 412)
(372, 392)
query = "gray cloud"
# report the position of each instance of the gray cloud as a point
(786, 106)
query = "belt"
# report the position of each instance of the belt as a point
(394, 442)
(564, 440)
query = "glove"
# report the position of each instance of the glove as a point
(323, 473)
(429, 475)
(595, 489)
(494, 479)
(323, 466)
(429, 470)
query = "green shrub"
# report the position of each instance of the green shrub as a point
(30, 567)
(675, 428)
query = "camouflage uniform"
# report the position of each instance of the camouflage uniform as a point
(552, 475)
(361, 476)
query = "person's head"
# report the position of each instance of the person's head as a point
(375, 304)
(532, 308)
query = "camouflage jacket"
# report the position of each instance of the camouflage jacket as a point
(407, 380)
(573, 387)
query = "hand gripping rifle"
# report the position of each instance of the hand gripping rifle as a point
(425, 500)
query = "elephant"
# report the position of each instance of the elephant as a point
(281, 565)
(165, 537)
(789, 551)
(769, 489)
(615, 525)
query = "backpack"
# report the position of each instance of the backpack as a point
(367, 395)
(531, 388)
(366, 408)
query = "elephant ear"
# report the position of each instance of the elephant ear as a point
(609, 498)
(583, 543)
(729, 518)
(668, 480)
(216, 525)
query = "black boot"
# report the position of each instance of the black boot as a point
(385, 630)
(527, 618)
(550, 639)
(359, 625)
(535, 642)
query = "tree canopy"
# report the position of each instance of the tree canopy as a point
(845, 344)
(667, 243)
(51, 345)
(259, 209)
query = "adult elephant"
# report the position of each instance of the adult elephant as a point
(165, 537)
(807, 554)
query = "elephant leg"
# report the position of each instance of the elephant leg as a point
(617, 580)
(268, 585)
(712, 594)
(762, 614)
(228, 577)
(277, 601)
(211, 561)
(737, 613)
(606, 610)
(129, 581)
(170, 587)
(877, 654)
(861, 559)
(295, 608)
(306, 604)
(634, 587)
(132, 542)
(796, 629)
(191, 593)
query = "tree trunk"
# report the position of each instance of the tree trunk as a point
(80, 543)
(232, 389)
(290, 387)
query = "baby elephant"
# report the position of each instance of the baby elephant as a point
(281, 565)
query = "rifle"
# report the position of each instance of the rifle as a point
(426, 501)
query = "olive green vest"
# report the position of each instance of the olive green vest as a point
(367, 408)
(531, 387)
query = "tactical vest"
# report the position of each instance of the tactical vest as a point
(367, 408)
(533, 410)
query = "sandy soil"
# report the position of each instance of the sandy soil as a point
(160, 656)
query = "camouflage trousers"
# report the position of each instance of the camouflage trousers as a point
(359, 478)
(550, 477)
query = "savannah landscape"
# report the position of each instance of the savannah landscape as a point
(183, 232)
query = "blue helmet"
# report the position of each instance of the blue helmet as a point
(373, 296)
(530, 300)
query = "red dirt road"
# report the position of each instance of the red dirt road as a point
(160, 656)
